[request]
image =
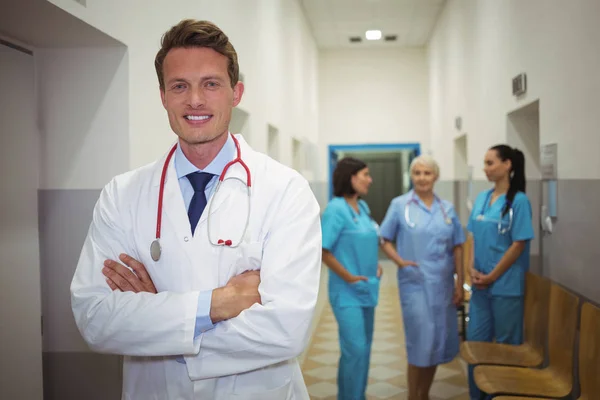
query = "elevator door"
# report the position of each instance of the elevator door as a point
(20, 314)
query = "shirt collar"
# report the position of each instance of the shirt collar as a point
(183, 166)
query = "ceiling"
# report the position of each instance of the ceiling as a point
(39, 23)
(333, 22)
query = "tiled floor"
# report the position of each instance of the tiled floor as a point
(387, 379)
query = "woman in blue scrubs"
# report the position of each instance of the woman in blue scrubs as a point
(427, 232)
(350, 250)
(502, 229)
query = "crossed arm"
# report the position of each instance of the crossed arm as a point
(140, 322)
(240, 293)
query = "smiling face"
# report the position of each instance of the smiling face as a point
(361, 182)
(197, 94)
(423, 178)
(495, 169)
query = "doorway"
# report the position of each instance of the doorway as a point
(273, 142)
(523, 132)
(20, 336)
(298, 156)
(388, 165)
(239, 123)
(461, 178)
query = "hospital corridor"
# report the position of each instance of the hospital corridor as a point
(387, 375)
(299, 199)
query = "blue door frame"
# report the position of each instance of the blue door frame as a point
(333, 150)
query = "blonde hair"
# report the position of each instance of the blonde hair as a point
(428, 162)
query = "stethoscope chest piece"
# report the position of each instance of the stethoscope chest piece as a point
(155, 250)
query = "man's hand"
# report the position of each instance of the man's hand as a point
(240, 293)
(121, 278)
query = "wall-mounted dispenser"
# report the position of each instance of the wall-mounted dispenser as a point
(549, 168)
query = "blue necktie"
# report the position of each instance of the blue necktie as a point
(199, 180)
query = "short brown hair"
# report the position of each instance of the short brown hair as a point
(192, 33)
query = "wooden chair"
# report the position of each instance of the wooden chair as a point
(589, 352)
(589, 356)
(462, 309)
(520, 398)
(556, 380)
(531, 352)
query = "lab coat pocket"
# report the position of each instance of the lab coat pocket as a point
(236, 260)
(270, 383)
(250, 257)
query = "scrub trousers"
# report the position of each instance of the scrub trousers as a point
(493, 317)
(356, 336)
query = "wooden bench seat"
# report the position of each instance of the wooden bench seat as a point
(531, 352)
(556, 380)
(520, 398)
(589, 352)
(589, 356)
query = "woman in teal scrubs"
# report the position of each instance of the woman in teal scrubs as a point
(350, 250)
(427, 232)
(502, 229)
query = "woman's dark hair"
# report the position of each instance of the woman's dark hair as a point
(517, 172)
(342, 176)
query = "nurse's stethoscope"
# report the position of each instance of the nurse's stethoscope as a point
(155, 248)
(501, 230)
(409, 222)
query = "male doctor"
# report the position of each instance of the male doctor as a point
(221, 306)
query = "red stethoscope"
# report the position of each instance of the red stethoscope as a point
(155, 248)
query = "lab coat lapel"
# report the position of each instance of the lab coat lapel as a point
(173, 205)
(174, 213)
(232, 190)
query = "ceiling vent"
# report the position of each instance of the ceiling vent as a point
(390, 38)
(355, 39)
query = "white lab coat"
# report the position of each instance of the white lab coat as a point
(252, 356)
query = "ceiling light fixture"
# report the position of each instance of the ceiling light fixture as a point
(373, 35)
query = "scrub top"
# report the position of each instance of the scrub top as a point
(353, 239)
(430, 243)
(492, 241)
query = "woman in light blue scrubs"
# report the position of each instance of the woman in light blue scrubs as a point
(427, 232)
(502, 229)
(350, 250)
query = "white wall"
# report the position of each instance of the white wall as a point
(373, 96)
(20, 311)
(277, 55)
(83, 101)
(476, 49)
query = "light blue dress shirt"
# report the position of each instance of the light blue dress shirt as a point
(184, 167)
